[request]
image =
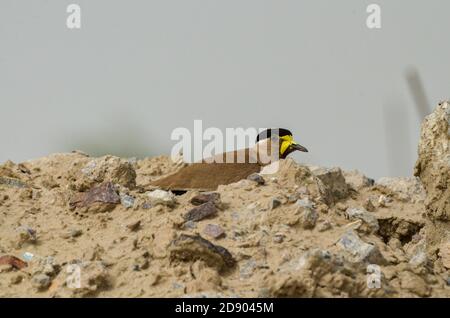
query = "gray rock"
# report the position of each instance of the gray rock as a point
(418, 254)
(356, 250)
(356, 180)
(201, 212)
(126, 200)
(213, 231)
(134, 225)
(407, 189)
(191, 225)
(256, 178)
(72, 233)
(308, 218)
(361, 214)
(331, 183)
(12, 182)
(324, 226)
(41, 281)
(305, 203)
(274, 203)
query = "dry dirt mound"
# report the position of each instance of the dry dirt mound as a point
(75, 226)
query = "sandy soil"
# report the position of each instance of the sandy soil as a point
(302, 232)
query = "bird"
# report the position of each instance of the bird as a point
(211, 172)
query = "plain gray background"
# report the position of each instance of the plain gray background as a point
(138, 69)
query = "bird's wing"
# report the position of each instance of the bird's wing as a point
(206, 176)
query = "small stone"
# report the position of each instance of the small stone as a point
(324, 226)
(200, 212)
(247, 269)
(274, 203)
(161, 197)
(366, 217)
(191, 225)
(368, 205)
(256, 178)
(192, 248)
(305, 203)
(26, 235)
(41, 281)
(308, 218)
(27, 256)
(448, 281)
(72, 233)
(126, 200)
(76, 233)
(293, 197)
(213, 231)
(383, 201)
(358, 250)
(147, 205)
(405, 189)
(12, 261)
(331, 183)
(278, 238)
(356, 180)
(134, 226)
(12, 182)
(205, 197)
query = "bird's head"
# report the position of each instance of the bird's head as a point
(284, 138)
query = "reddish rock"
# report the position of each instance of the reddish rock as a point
(15, 262)
(213, 231)
(203, 211)
(103, 197)
(205, 197)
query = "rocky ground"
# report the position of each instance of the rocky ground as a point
(302, 232)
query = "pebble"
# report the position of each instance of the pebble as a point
(256, 178)
(308, 218)
(368, 205)
(274, 203)
(358, 250)
(305, 203)
(278, 238)
(205, 197)
(134, 226)
(126, 200)
(213, 231)
(324, 226)
(366, 217)
(41, 281)
(161, 197)
(201, 212)
(104, 194)
(191, 225)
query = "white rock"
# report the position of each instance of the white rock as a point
(161, 197)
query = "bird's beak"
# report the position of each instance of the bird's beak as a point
(298, 147)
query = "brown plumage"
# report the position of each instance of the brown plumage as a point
(210, 173)
(208, 176)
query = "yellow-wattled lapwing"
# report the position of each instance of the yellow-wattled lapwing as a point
(232, 166)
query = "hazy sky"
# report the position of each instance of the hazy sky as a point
(138, 69)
